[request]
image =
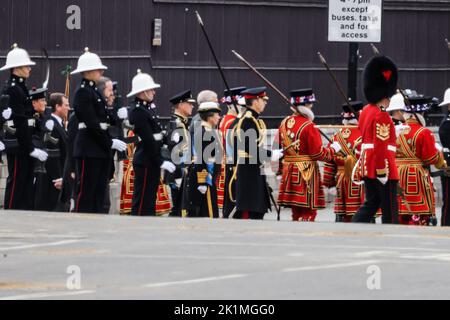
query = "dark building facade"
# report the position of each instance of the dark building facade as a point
(280, 38)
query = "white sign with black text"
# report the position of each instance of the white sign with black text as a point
(354, 20)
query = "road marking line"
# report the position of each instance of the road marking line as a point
(178, 257)
(331, 266)
(194, 281)
(47, 295)
(259, 244)
(39, 245)
(370, 254)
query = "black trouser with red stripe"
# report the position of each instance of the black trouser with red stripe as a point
(19, 193)
(445, 219)
(378, 196)
(92, 181)
(146, 182)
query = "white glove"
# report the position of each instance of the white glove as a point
(39, 154)
(336, 146)
(168, 166)
(383, 180)
(122, 113)
(178, 182)
(277, 155)
(399, 129)
(2, 146)
(332, 191)
(438, 147)
(7, 113)
(118, 145)
(49, 125)
(202, 189)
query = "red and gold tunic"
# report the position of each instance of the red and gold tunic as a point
(163, 203)
(378, 144)
(224, 126)
(416, 149)
(337, 173)
(301, 184)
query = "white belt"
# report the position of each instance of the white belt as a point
(158, 136)
(10, 123)
(104, 126)
(392, 148)
(367, 146)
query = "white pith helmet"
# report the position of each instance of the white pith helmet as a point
(89, 61)
(17, 58)
(446, 98)
(397, 103)
(142, 82)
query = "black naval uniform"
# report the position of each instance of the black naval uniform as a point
(92, 149)
(147, 159)
(179, 143)
(19, 184)
(444, 134)
(203, 172)
(252, 194)
(47, 196)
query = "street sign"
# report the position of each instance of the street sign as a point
(354, 20)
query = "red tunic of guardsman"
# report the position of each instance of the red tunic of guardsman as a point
(301, 187)
(416, 151)
(338, 172)
(377, 163)
(230, 99)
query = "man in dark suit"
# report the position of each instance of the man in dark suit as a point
(56, 146)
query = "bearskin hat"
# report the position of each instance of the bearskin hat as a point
(380, 79)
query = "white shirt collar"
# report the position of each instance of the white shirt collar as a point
(60, 121)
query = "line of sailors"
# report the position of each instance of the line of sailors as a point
(216, 162)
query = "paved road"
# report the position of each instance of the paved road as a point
(163, 258)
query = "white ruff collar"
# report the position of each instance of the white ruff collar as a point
(306, 112)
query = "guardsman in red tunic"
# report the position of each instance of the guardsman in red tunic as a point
(230, 99)
(377, 163)
(338, 172)
(416, 151)
(301, 187)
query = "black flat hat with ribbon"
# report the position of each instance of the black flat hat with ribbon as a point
(232, 95)
(301, 97)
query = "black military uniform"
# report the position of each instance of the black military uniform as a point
(147, 159)
(55, 143)
(205, 168)
(19, 184)
(41, 138)
(179, 145)
(92, 148)
(252, 190)
(444, 134)
(4, 104)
